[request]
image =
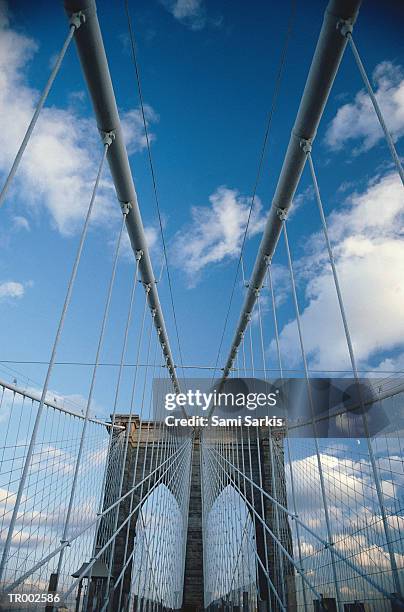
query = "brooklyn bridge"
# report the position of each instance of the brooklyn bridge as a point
(129, 513)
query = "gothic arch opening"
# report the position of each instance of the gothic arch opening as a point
(229, 547)
(159, 548)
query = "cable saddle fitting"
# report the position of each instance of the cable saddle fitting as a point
(282, 213)
(76, 19)
(107, 137)
(306, 145)
(345, 26)
(125, 208)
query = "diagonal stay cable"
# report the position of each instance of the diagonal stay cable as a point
(278, 82)
(152, 172)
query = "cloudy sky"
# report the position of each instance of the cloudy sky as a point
(208, 73)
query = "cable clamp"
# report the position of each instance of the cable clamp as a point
(159, 331)
(138, 254)
(76, 19)
(107, 137)
(306, 145)
(267, 260)
(282, 213)
(147, 288)
(248, 316)
(65, 542)
(345, 26)
(257, 292)
(125, 207)
(153, 312)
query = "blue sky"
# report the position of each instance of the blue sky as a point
(208, 73)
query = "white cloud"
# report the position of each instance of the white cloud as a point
(152, 236)
(192, 13)
(369, 253)
(59, 166)
(391, 364)
(357, 120)
(356, 523)
(11, 290)
(216, 231)
(133, 128)
(21, 223)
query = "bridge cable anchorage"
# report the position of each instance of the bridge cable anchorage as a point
(274, 101)
(315, 435)
(152, 172)
(108, 139)
(376, 476)
(346, 29)
(326, 60)
(71, 282)
(76, 20)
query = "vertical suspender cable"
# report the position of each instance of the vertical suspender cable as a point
(375, 473)
(125, 452)
(90, 397)
(346, 30)
(292, 479)
(76, 20)
(324, 66)
(319, 464)
(34, 434)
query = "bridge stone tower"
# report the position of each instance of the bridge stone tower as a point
(257, 445)
(140, 446)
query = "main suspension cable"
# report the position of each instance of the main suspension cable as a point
(152, 171)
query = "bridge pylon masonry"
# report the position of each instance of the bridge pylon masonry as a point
(272, 473)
